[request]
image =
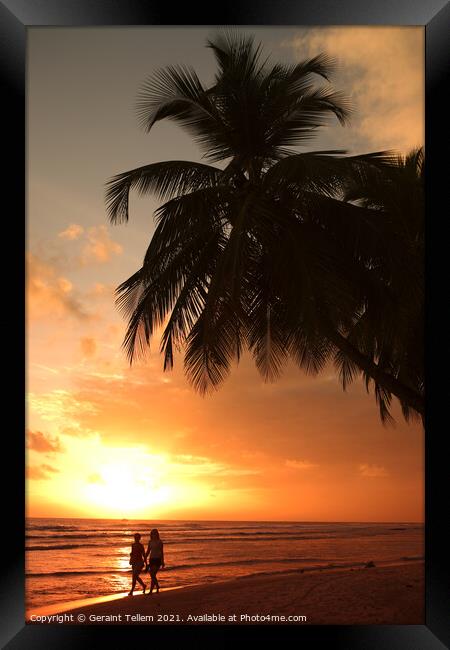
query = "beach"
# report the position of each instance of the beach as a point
(393, 594)
(75, 559)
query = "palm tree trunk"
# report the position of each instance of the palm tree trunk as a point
(404, 393)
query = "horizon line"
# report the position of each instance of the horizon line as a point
(304, 521)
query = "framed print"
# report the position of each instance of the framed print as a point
(231, 311)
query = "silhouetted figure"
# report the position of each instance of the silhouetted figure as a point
(155, 553)
(137, 561)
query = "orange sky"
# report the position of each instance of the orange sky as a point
(105, 440)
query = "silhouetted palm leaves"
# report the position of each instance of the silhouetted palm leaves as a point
(314, 255)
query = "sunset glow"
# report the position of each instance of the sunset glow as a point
(108, 440)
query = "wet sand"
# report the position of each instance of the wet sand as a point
(381, 595)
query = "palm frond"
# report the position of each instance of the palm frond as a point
(176, 93)
(235, 53)
(383, 399)
(183, 217)
(348, 370)
(210, 349)
(322, 65)
(149, 296)
(164, 179)
(311, 109)
(190, 301)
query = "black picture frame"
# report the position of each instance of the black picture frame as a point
(16, 16)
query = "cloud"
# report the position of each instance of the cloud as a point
(88, 346)
(300, 464)
(372, 471)
(382, 70)
(99, 247)
(62, 408)
(199, 465)
(40, 472)
(43, 443)
(99, 289)
(46, 369)
(72, 232)
(282, 421)
(49, 293)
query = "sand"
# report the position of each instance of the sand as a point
(380, 595)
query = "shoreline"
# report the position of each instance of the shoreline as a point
(68, 605)
(388, 593)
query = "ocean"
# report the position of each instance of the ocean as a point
(69, 559)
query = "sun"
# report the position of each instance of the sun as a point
(133, 482)
(127, 486)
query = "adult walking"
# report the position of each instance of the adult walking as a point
(155, 555)
(137, 561)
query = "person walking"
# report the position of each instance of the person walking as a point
(137, 561)
(155, 555)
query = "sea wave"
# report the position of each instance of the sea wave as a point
(178, 567)
(124, 540)
(125, 534)
(59, 547)
(96, 535)
(302, 562)
(52, 527)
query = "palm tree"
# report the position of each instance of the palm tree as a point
(391, 327)
(262, 252)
